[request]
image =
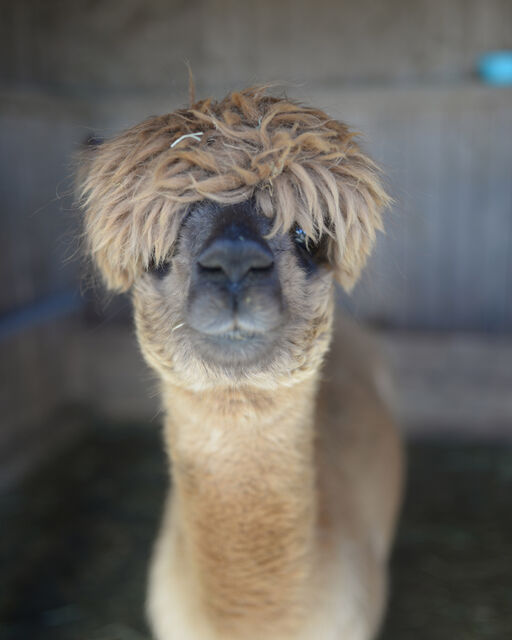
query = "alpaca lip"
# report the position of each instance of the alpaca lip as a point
(233, 335)
(238, 334)
(217, 314)
(235, 346)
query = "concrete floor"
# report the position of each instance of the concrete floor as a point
(76, 538)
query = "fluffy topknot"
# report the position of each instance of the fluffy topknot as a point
(300, 165)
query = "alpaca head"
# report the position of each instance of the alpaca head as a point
(228, 222)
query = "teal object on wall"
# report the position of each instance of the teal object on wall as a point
(495, 68)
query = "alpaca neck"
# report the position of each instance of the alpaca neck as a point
(244, 504)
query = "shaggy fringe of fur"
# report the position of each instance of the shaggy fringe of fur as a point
(301, 167)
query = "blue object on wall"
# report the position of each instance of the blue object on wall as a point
(495, 68)
(40, 312)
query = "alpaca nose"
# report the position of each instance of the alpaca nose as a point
(235, 257)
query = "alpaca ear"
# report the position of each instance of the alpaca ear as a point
(106, 215)
(126, 222)
(362, 199)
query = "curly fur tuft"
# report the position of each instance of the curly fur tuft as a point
(300, 165)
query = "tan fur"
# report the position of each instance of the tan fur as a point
(282, 516)
(285, 476)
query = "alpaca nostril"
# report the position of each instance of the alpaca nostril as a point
(235, 258)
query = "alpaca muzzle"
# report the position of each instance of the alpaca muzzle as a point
(235, 291)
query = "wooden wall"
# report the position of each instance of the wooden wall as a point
(401, 71)
(129, 46)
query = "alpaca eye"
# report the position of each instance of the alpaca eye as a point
(299, 236)
(159, 269)
(301, 240)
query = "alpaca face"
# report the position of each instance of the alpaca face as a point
(227, 221)
(234, 303)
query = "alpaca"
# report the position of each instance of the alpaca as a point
(229, 223)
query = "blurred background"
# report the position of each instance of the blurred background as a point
(82, 476)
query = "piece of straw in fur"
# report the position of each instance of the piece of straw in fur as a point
(197, 136)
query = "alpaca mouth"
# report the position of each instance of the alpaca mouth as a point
(229, 329)
(234, 347)
(238, 334)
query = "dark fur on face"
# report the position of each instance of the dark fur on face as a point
(235, 292)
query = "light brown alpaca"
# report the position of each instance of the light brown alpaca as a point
(229, 222)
